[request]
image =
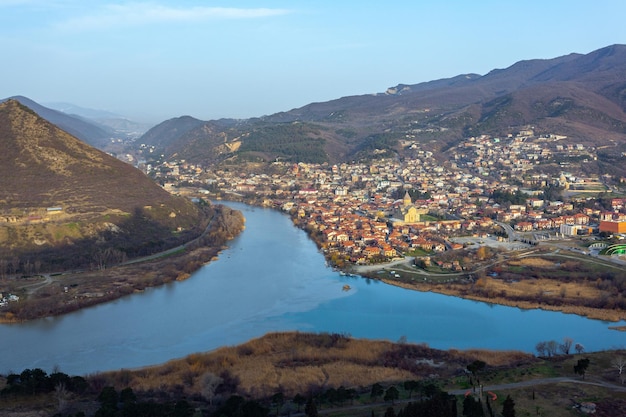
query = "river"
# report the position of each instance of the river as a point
(273, 278)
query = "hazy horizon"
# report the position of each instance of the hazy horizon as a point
(156, 60)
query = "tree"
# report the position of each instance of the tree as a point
(476, 367)
(508, 407)
(552, 347)
(391, 394)
(481, 253)
(552, 192)
(566, 346)
(299, 400)
(108, 402)
(278, 400)
(540, 347)
(208, 385)
(411, 386)
(127, 396)
(619, 363)
(62, 395)
(579, 348)
(351, 394)
(377, 391)
(310, 409)
(581, 367)
(430, 390)
(472, 407)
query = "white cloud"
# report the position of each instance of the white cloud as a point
(135, 14)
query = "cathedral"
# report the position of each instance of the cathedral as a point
(407, 213)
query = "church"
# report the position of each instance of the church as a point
(407, 213)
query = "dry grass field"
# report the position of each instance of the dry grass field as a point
(302, 363)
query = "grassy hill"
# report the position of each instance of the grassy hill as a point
(62, 201)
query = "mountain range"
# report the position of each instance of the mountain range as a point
(62, 199)
(580, 96)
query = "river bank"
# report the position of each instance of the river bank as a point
(548, 294)
(570, 297)
(461, 291)
(56, 294)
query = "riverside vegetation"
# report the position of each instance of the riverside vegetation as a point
(291, 373)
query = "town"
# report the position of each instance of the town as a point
(372, 212)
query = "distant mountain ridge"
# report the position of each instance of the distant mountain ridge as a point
(86, 131)
(61, 198)
(108, 120)
(581, 96)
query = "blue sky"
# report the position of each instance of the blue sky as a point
(211, 59)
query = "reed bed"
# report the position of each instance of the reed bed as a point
(303, 363)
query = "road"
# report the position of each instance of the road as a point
(509, 231)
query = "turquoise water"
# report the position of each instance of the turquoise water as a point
(272, 278)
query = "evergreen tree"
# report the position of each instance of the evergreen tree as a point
(581, 367)
(299, 400)
(310, 409)
(391, 394)
(377, 391)
(508, 407)
(108, 402)
(472, 407)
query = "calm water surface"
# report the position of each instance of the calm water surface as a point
(272, 278)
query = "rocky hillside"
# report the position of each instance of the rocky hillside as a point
(61, 198)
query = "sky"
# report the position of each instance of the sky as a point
(155, 60)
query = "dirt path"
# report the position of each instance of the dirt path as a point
(33, 287)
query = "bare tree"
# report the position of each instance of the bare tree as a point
(566, 346)
(541, 348)
(552, 347)
(209, 383)
(108, 256)
(579, 348)
(619, 362)
(62, 395)
(15, 265)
